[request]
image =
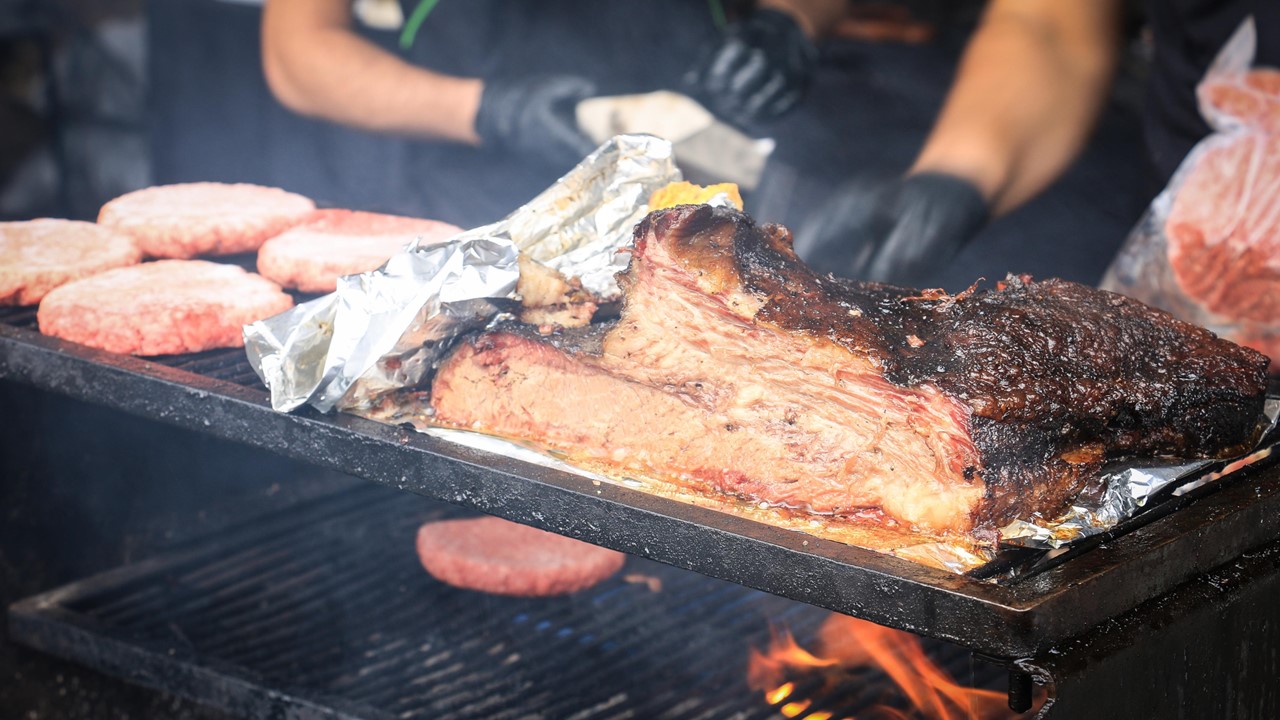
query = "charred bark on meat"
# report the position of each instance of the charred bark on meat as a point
(947, 412)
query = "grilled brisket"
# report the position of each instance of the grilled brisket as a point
(735, 368)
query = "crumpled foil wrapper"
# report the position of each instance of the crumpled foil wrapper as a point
(578, 225)
(1122, 493)
(385, 330)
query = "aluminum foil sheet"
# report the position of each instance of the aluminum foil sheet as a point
(383, 331)
(1120, 494)
(577, 225)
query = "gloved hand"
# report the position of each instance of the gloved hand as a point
(759, 71)
(899, 232)
(535, 118)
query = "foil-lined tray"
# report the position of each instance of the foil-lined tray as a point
(369, 348)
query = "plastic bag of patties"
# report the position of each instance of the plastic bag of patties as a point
(1208, 248)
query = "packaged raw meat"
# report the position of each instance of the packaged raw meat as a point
(1234, 95)
(1208, 248)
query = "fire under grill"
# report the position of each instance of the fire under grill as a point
(324, 611)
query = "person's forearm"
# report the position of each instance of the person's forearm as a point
(1028, 90)
(317, 66)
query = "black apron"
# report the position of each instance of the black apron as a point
(1188, 35)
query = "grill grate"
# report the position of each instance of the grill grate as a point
(228, 364)
(21, 316)
(324, 609)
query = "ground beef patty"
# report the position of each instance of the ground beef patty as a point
(183, 221)
(161, 308)
(39, 255)
(496, 556)
(331, 243)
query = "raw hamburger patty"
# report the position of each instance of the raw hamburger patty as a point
(496, 556)
(330, 243)
(39, 255)
(161, 308)
(183, 221)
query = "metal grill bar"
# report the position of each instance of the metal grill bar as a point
(22, 316)
(325, 607)
(223, 363)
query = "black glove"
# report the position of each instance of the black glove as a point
(900, 232)
(759, 71)
(535, 118)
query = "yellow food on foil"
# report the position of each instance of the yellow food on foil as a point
(686, 193)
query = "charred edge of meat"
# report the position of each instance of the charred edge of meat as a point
(1059, 377)
(577, 341)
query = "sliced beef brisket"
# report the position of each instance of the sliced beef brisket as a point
(736, 368)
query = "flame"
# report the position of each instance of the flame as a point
(780, 693)
(768, 670)
(849, 644)
(792, 709)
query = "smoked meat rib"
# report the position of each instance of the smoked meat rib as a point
(736, 369)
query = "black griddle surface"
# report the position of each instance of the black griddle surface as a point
(324, 611)
(216, 393)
